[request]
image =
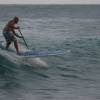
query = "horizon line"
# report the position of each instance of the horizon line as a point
(49, 4)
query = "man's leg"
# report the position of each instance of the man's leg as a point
(16, 46)
(7, 45)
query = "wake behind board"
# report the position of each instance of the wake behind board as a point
(40, 53)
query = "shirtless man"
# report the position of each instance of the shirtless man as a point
(10, 34)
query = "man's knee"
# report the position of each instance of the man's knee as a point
(15, 41)
(8, 43)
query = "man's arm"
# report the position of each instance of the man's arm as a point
(16, 34)
(12, 27)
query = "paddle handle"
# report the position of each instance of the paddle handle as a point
(23, 38)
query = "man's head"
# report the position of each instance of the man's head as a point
(16, 19)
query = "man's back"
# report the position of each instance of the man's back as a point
(9, 26)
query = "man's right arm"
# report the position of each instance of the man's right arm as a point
(16, 34)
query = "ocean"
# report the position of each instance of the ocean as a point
(74, 29)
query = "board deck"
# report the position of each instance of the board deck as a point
(40, 53)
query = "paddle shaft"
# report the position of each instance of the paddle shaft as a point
(23, 38)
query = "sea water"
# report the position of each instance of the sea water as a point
(72, 76)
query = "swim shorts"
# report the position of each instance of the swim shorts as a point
(9, 37)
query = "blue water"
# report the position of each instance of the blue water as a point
(74, 29)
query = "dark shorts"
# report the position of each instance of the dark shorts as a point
(9, 37)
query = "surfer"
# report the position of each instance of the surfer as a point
(10, 34)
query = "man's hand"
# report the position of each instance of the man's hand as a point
(20, 36)
(18, 27)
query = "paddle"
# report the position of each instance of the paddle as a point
(23, 38)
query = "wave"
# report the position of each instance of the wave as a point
(14, 59)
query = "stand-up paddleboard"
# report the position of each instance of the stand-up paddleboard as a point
(43, 53)
(32, 53)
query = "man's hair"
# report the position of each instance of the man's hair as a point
(16, 19)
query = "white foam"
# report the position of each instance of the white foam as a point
(35, 62)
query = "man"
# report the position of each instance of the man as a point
(10, 34)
